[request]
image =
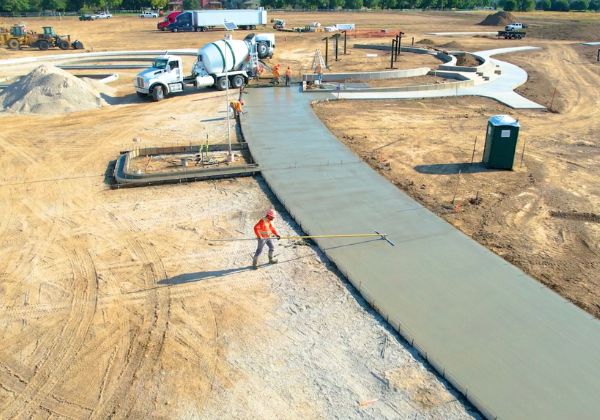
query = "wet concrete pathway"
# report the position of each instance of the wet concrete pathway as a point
(513, 347)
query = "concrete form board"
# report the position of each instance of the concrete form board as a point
(515, 348)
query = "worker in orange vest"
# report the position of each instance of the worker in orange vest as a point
(237, 107)
(288, 76)
(276, 74)
(265, 231)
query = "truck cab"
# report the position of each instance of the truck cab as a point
(165, 76)
(170, 18)
(515, 27)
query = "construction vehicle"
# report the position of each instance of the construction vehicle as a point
(16, 36)
(203, 20)
(220, 64)
(278, 24)
(20, 36)
(61, 41)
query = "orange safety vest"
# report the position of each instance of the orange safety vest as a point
(236, 105)
(264, 228)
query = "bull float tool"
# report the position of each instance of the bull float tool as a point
(382, 236)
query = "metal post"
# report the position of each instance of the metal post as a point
(413, 41)
(346, 36)
(337, 37)
(397, 42)
(400, 43)
(598, 59)
(326, 52)
(392, 54)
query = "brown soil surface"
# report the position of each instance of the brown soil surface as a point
(409, 81)
(115, 305)
(520, 215)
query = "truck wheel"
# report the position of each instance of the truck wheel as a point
(63, 45)
(262, 50)
(237, 81)
(203, 29)
(158, 93)
(13, 44)
(174, 30)
(222, 83)
(43, 45)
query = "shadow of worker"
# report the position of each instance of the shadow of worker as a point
(202, 275)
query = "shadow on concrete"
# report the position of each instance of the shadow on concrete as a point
(213, 119)
(202, 275)
(453, 168)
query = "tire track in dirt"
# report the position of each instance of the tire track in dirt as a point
(64, 348)
(145, 347)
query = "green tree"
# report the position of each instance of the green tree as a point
(159, 4)
(526, 5)
(191, 4)
(510, 5)
(53, 4)
(580, 4)
(14, 5)
(595, 5)
(372, 4)
(353, 4)
(560, 5)
(544, 5)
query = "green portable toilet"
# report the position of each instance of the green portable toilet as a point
(501, 142)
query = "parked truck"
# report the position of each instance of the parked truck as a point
(170, 18)
(203, 20)
(220, 64)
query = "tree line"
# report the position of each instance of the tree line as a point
(16, 6)
(555, 5)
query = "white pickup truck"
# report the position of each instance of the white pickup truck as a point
(148, 14)
(515, 27)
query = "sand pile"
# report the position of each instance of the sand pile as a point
(50, 90)
(426, 41)
(499, 18)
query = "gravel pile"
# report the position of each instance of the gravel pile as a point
(50, 90)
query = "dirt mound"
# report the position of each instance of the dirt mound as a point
(49, 90)
(498, 18)
(453, 45)
(426, 41)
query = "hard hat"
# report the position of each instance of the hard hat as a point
(271, 213)
(242, 101)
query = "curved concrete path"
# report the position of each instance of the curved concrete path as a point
(516, 349)
(500, 88)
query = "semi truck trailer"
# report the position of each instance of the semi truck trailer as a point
(220, 64)
(203, 20)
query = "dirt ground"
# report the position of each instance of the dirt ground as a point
(115, 304)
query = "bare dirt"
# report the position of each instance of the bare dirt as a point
(498, 19)
(115, 304)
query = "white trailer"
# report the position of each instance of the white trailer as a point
(202, 20)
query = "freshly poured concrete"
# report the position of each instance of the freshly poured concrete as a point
(516, 349)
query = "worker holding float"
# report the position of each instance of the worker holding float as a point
(276, 74)
(265, 231)
(288, 76)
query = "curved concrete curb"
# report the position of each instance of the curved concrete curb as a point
(368, 75)
(501, 88)
(61, 57)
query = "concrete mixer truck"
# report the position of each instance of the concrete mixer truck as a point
(220, 64)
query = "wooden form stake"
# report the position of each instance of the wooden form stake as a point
(474, 145)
